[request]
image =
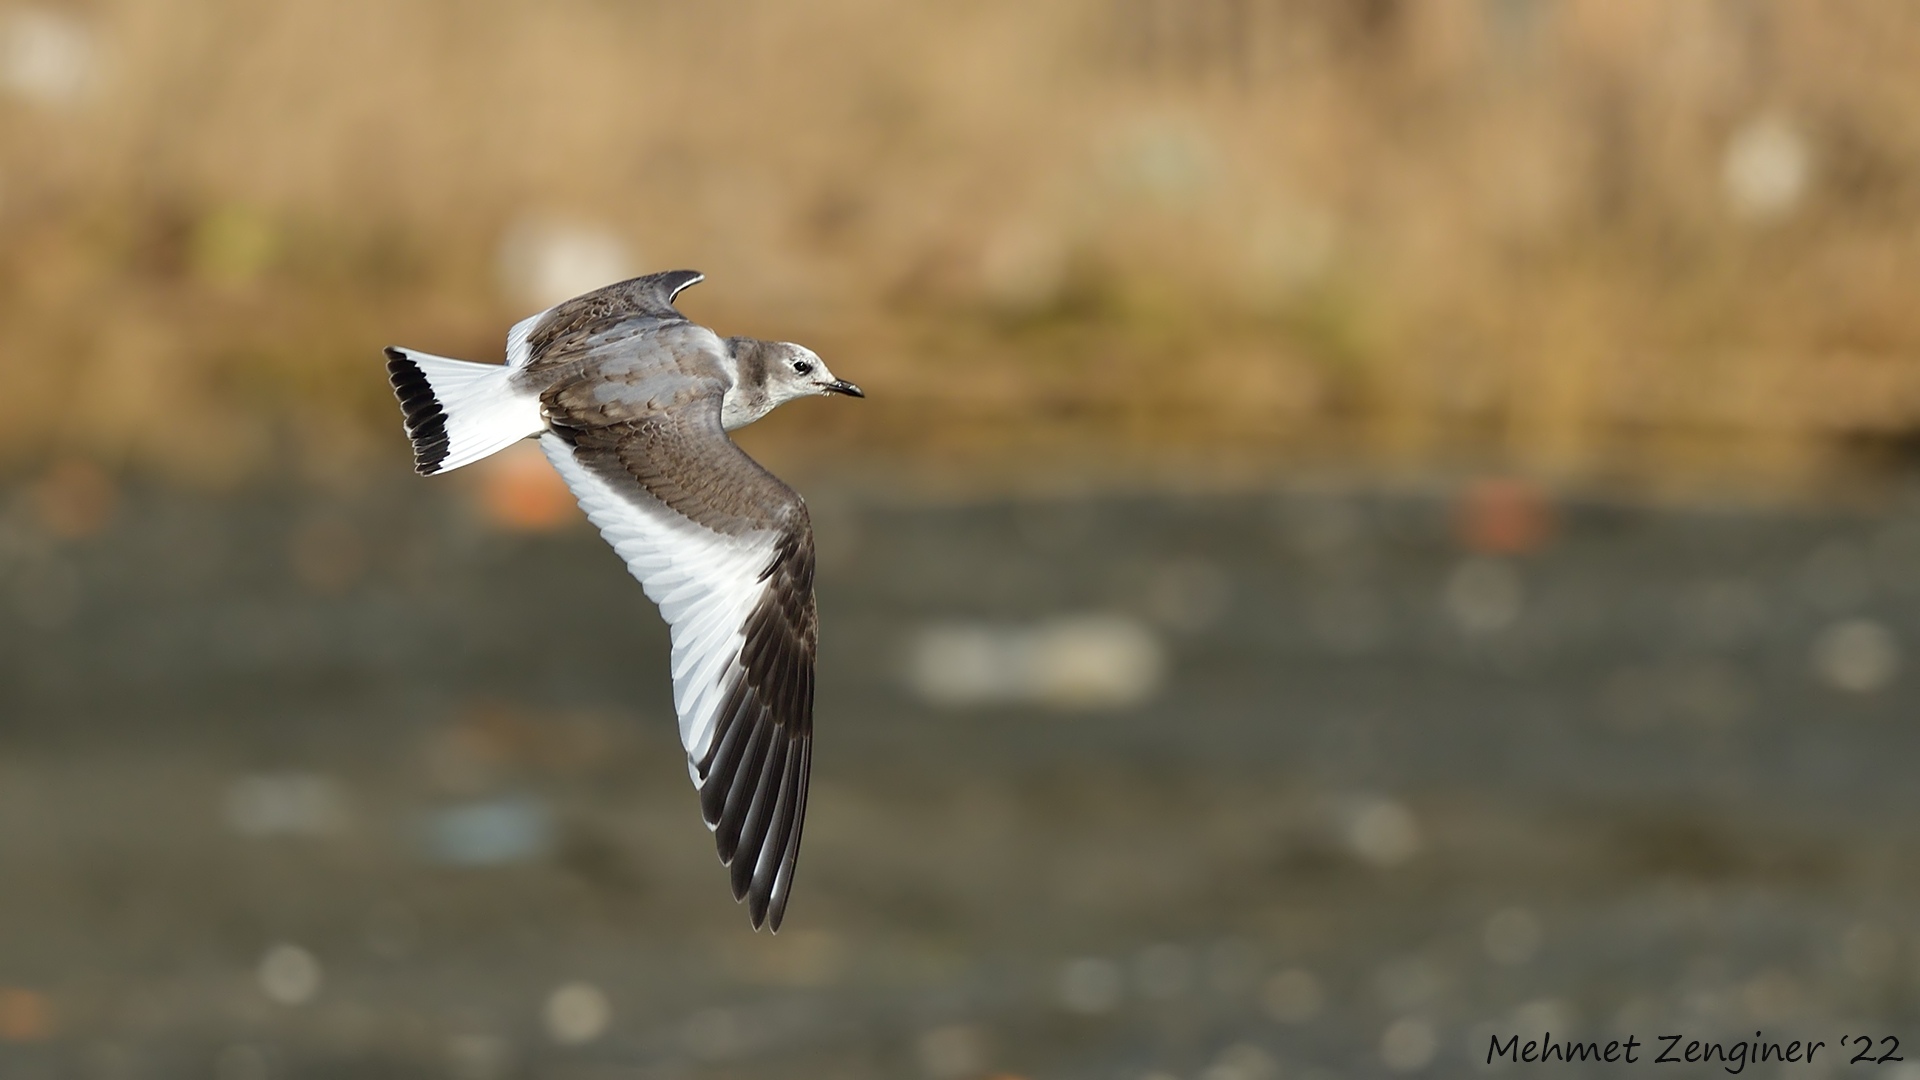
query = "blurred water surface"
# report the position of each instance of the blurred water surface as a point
(1313, 781)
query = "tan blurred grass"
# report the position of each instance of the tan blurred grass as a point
(1376, 230)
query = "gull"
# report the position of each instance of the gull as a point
(632, 403)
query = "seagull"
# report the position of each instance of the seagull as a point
(632, 403)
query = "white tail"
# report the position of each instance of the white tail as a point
(459, 412)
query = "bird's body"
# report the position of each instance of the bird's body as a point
(632, 404)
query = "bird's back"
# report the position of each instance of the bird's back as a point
(627, 372)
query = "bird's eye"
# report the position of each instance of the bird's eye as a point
(801, 367)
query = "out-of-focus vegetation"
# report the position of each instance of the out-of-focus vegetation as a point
(1591, 236)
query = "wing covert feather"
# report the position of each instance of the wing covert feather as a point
(570, 327)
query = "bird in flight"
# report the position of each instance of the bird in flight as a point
(632, 403)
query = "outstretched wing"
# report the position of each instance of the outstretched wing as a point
(726, 550)
(572, 325)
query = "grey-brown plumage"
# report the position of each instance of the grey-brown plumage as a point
(760, 751)
(632, 403)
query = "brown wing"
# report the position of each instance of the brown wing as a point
(726, 550)
(589, 319)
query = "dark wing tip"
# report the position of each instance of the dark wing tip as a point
(753, 789)
(677, 281)
(781, 888)
(759, 787)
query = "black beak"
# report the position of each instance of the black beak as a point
(842, 386)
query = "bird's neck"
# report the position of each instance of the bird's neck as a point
(746, 399)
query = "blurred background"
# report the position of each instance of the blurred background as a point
(1376, 525)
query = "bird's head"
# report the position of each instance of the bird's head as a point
(794, 371)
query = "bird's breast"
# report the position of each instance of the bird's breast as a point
(742, 405)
